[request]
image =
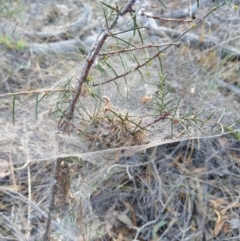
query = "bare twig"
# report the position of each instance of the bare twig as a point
(102, 36)
(150, 59)
(52, 200)
(162, 117)
(178, 37)
(137, 48)
(137, 67)
(167, 19)
(128, 7)
(36, 92)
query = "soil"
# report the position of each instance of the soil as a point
(128, 171)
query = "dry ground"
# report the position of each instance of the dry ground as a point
(118, 181)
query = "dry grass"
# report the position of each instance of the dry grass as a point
(186, 190)
(117, 181)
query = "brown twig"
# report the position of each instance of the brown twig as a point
(144, 63)
(128, 7)
(167, 19)
(162, 117)
(194, 25)
(36, 92)
(134, 69)
(46, 236)
(70, 124)
(137, 48)
(102, 36)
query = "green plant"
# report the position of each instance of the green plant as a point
(10, 8)
(9, 43)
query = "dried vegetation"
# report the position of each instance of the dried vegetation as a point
(107, 188)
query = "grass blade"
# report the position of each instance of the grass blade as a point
(36, 107)
(13, 109)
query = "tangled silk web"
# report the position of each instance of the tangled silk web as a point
(35, 137)
(129, 110)
(33, 140)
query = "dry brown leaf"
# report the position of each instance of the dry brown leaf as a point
(226, 227)
(3, 207)
(107, 105)
(199, 170)
(219, 217)
(131, 209)
(181, 167)
(119, 238)
(125, 219)
(193, 225)
(218, 227)
(216, 203)
(11, 188)
(219, 223)
(230, 205)
(146, 99)
(124, 231)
